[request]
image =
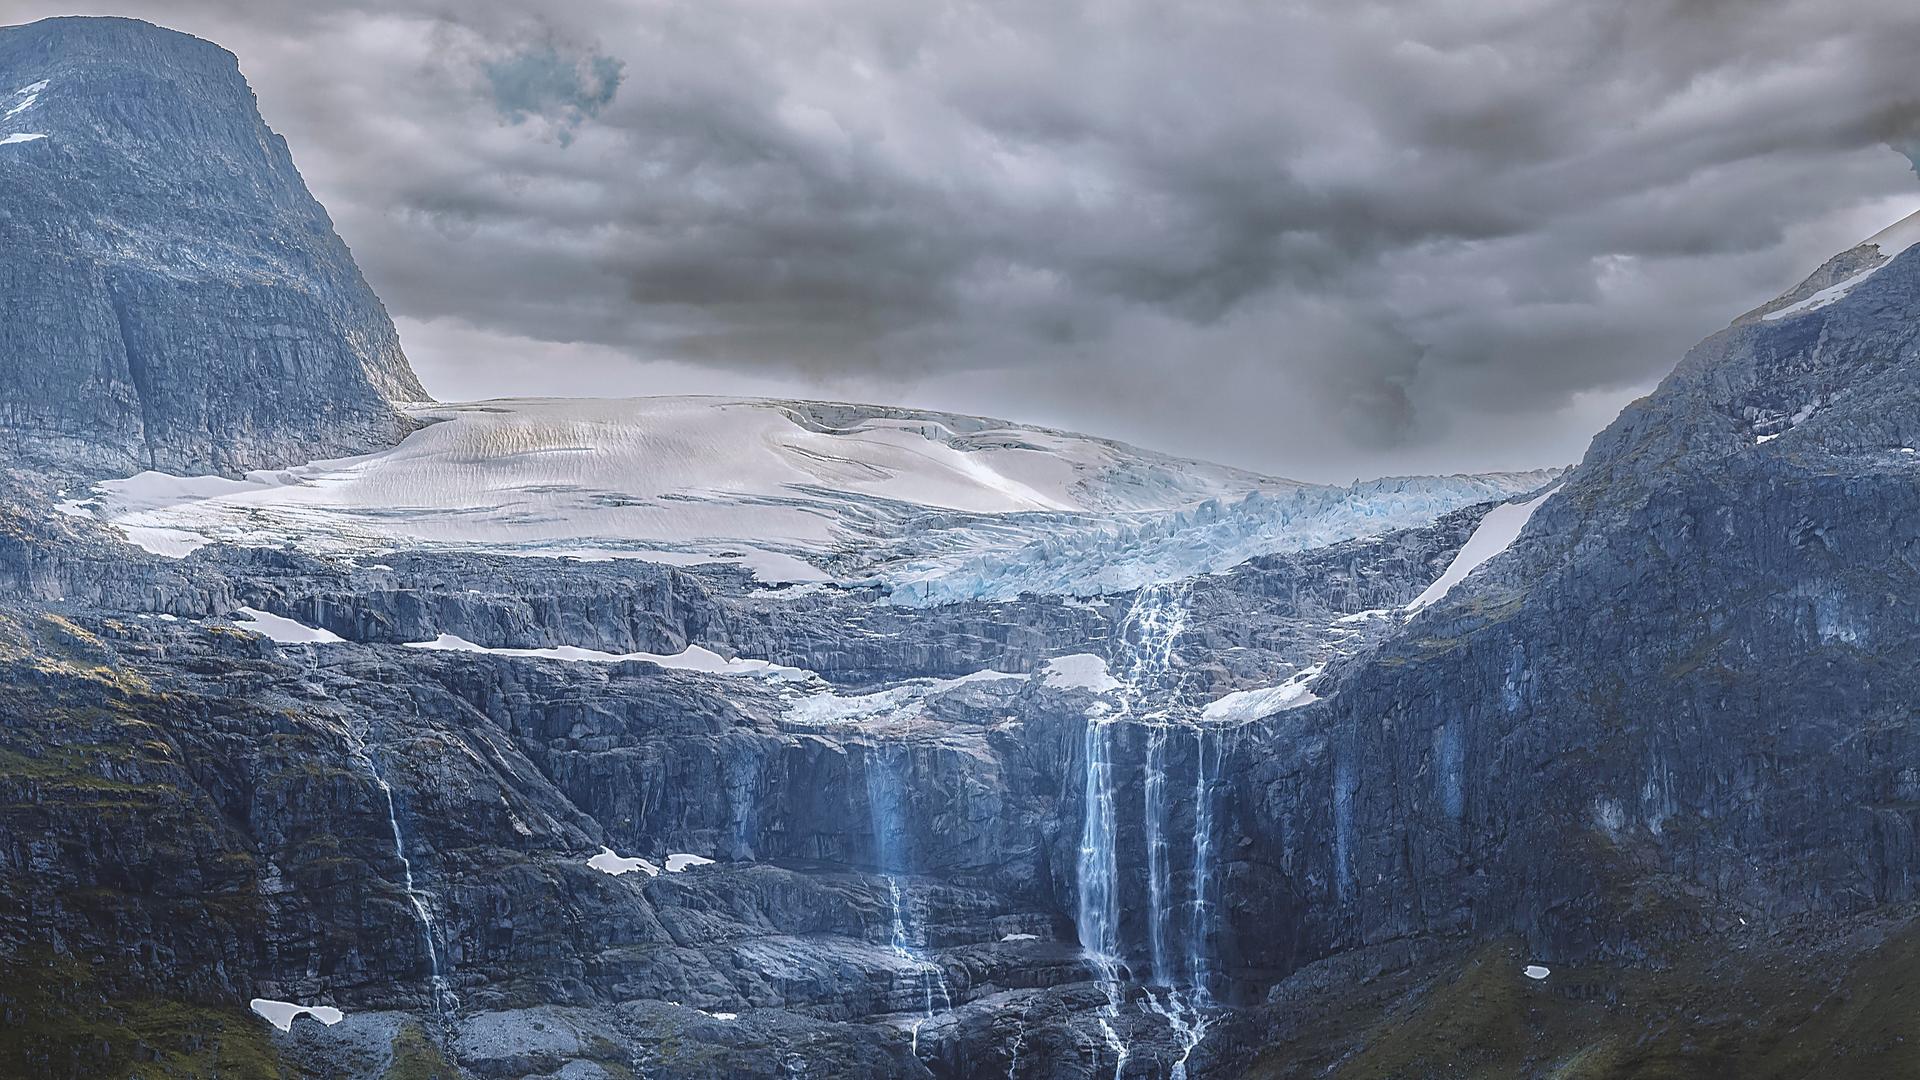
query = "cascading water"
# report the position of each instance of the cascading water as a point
(1150, 697)
(1098, 914)
(444, 1000)
(887, 805)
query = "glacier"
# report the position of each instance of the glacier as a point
(1215, 536)
(931, 508)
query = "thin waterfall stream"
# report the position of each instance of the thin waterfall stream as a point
(444, 1000)
(886, 800)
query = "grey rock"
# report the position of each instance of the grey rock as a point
(172, 297)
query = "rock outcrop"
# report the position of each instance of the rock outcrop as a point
(171, 297)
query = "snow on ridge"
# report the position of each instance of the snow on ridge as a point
(692, 658)
(282, 1014)
(1890, 242)
(1495, 534)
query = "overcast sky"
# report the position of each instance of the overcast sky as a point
(1325, 239)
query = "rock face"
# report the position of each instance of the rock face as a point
(1261, 822)
(171, 296)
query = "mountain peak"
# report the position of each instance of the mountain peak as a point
(173, 297)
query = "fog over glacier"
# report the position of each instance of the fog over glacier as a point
(1409, 238)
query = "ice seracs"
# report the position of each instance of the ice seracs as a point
(1109, 557)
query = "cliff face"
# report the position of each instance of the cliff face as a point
(1679, 704)
(171, 296)
(1663, 744)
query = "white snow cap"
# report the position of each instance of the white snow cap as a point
(282, 1014)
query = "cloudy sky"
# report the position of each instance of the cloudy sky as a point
(1324, 239)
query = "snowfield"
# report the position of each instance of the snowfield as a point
(933, 506)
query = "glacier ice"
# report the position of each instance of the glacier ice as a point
(1212, 537)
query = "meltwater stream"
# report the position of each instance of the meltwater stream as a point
(1176, 988)
(443, 997)
(886, 801)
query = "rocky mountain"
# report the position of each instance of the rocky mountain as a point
(1176, 772)
(171, 297)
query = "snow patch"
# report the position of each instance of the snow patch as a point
(1079, 671)
(20, 137)
(1495, 534)
(608, 863)
(895, 703)
(283, 630)
(693, 658)
(1019, 937)
(680, 863)
(1535, 972)
(282, 1014)
(1245, 705)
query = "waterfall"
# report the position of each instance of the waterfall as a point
(443, 996)
(887, 806)
(1202, 911)
(1098, 915)
(1019, 1040)
(1177, 989)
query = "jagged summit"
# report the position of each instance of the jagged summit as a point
(172, 297)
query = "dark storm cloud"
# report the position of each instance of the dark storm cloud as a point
(1320, 238)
